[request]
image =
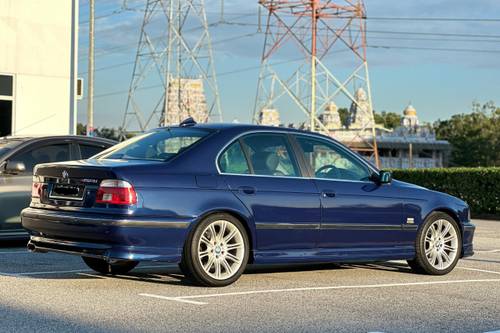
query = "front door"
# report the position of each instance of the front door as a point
(262, 171)
(357, 213)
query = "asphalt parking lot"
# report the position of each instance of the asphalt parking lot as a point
(53, 292)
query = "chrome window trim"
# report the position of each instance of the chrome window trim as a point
(237, 137)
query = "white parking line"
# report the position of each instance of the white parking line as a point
(479, 270)
(177, 299)
(270, 291)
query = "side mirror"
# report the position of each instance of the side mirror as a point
(384, 177)
(14, 167)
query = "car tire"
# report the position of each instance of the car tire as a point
(105, 268)
(438, 245)
(216, 251)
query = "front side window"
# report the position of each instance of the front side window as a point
(45, 154)
(270, 154)
(233, 160)
(329, 161)
(161, 145)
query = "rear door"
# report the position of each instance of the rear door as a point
(264, 174)
(356, 212)
(16, 188)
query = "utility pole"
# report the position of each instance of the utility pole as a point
(314, 30)
(90, 77)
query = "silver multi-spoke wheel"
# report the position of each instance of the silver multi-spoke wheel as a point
(441, 244)
(221, 249)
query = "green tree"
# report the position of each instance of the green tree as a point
(81, 129)
(475, 137)
(103, 132)
(389, 120)
(343, 115)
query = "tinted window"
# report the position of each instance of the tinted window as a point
(4, 151)
(87, 151)
(7, 145)
(45, 154)
(270, 154)
(6, 85)
(233, 160)
(159, 145)
(330, 161)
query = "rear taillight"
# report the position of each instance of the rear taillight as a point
(36, 188)
(116, 192)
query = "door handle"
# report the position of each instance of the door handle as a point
(328, 194)
(247, 189)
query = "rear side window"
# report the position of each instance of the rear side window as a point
(87, 151)
(233, 160)
(270, 154)
(161, 145)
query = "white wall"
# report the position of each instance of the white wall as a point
(37, 46)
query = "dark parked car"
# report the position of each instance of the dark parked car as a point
(216, 197)
(18, 157)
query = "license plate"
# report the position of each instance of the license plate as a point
(66, 192)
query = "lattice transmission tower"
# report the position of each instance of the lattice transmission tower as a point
(325, 43)
(174, 73)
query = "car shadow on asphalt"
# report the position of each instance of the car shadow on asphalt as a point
(171, 275)
(18, 244)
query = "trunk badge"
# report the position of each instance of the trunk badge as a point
(65, 174)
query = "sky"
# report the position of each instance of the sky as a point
(416, 55)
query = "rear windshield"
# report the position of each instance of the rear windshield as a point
(160, 145)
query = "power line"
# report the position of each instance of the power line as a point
(432, 49)
(442, 19)
(232, 72)
(118, 49)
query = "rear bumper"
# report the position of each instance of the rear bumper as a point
(108, 237)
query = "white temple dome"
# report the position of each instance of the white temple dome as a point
(410, 111)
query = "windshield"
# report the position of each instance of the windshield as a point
(160, 145)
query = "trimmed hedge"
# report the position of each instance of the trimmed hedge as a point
(479, 187)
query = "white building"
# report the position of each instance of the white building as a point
(38, 66)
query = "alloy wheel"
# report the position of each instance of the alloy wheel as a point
(441, 244)
(221, 249)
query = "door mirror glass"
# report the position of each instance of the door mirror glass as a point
(384, 177)
(15, 167)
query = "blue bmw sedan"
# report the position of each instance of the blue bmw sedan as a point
(216, 197)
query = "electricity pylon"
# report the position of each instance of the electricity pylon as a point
(329, 39)
(174, 68)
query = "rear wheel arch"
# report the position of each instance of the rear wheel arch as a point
(240, 217)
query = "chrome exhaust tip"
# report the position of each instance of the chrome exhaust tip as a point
(31, 247)
(34, 249)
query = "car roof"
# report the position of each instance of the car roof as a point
(247, 128)
(56, 137)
